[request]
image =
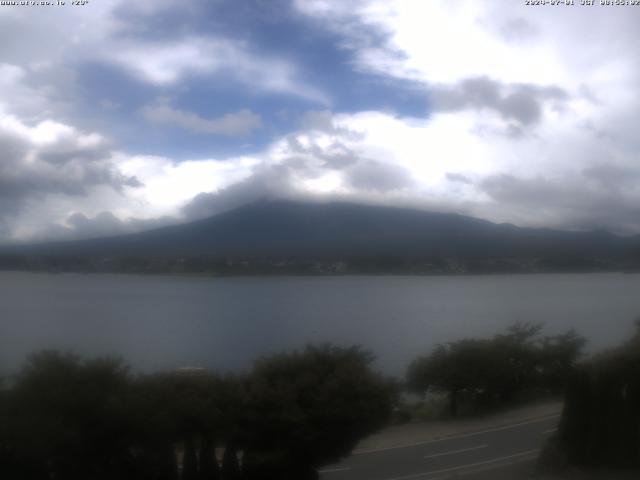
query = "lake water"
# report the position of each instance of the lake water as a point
(158, 322)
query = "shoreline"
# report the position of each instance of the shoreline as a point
(320, 275)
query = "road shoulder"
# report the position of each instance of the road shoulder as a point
(399, 436)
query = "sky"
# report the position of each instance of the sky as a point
(119, 116)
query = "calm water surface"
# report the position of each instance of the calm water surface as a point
(157, 322)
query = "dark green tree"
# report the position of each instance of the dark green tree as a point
(230, 465)
(177, 408)
(207, 461)
(309, 408)
(462, 366)
(600, 424)
(496, 369)
(558, 357)
(70, 417)
(190, 461)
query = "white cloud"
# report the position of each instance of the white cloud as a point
(166, 63)
(381, 158)
(529, 123)
(235, 124)
(19, 97)
(168, 185)
(101, 33)
(49, 160)
(118, 194)
(445, 42)
(371, 157)
(516, 94)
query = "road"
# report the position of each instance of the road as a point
(487, 454)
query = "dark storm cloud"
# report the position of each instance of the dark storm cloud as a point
(68, 149)
(613, 177)
(22, 177)
(509, 189)
(12, 185)
(104, 223)
(30, 170)
(78, 225)
(521, 103)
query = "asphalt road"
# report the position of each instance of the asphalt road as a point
(507, 451)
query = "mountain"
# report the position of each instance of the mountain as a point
(295, 230)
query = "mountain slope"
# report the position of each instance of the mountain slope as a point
(294, 229)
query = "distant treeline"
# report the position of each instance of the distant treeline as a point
(67, 418)
(397, 264)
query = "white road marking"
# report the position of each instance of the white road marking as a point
(499, 464)
(332, 470)
(551, 430)
(456, 437)
(522, 456)
(453, 452)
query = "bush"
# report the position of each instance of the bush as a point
(310, 408)
(600, 424)
(71, 418)
(486, 371)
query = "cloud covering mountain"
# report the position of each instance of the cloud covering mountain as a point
(142, 114)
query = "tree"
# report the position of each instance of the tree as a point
(174, 408)
(190, 461)
(69, 417)
(600, 423)
(207, 462)
(230, 465)
(558, 357)
(452, 368)
(515, 360)
(496, 369)
(309, 408)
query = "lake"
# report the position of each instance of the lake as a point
(160, 322)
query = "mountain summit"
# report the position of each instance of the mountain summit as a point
(290, 229)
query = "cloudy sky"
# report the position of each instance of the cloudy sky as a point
(124, 115)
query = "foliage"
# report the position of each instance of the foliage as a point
(70, 418)
(495, 369)
(208, 468)
(600, 424)
(310, 408)
(557, 359)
